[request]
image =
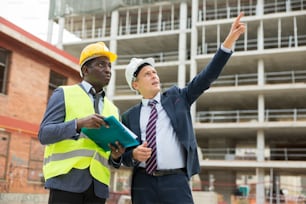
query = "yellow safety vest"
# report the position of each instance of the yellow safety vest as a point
(61, 157)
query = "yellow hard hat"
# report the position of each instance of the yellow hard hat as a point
(96, 50)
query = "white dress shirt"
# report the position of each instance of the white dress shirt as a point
(170, 153)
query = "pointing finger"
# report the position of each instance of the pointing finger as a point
(237, 21)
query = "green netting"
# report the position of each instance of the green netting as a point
(61, 8)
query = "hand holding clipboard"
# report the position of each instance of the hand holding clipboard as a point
(115, 132)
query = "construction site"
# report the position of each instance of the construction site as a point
(250, 125)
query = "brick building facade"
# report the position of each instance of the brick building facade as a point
(30, 69)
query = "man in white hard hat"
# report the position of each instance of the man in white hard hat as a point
(76, 170)
(167, 155)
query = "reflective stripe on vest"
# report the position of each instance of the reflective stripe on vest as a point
(76, 153)
(83, 153)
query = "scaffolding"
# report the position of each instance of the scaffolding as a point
(61, 8)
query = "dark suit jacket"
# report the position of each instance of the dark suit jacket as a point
(177, 102)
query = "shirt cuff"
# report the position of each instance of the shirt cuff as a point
(135, 162)
(227, 50)
(77, 135)
(115, 163)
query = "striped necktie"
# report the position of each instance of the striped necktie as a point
(151, 163)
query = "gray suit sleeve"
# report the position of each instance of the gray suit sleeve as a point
(53, 128)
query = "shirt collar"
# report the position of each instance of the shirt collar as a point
(87, 86)
(145, 101)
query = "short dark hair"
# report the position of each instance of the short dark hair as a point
(139, 68)
(88, 63)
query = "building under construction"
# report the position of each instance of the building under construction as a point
(251, 124)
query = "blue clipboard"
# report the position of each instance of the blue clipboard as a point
(116, 132)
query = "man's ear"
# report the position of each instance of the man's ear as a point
(84, 70)
(135, 85)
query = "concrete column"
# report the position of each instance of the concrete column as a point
(261, 115)
(61, 27)
(193, 49)
(295, 32)
(260, 174)
(104, 26)
(93, 27)
(261, 109)
(114, 181)
(182, 45)
(226, 177)
(113, 48)
(260, 36)
(83, 33)
(213, 178)
(260, 186)
(50, 31)
(260, 33)
(260, 7)
(149, 20)
(160, 16)
(260, 145)
(114, 31)
(138, 20)
(261, 73)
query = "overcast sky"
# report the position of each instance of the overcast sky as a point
(31, 15)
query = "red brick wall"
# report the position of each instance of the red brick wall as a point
(27, 90)
(19, 171)
(28, 84)
(21, 111)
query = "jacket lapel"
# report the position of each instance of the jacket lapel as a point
(170, 109)
(134, 121)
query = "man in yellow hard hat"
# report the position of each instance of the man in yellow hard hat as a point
(76, 170)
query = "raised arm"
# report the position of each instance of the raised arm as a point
(237, 29)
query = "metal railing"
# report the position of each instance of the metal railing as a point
(236, 116)
(153, 27)
(251, 44)
(229, 80)
(236, 80)
(158, 57)
(203, 15)
(226, 116)
(284, 41)
(225, 12)
(286, 154)
(283, 6)
(125, 89)
(285, 77)
(269, 77)
(92, 33)
(285, 114)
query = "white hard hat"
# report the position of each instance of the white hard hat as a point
(131, 69)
